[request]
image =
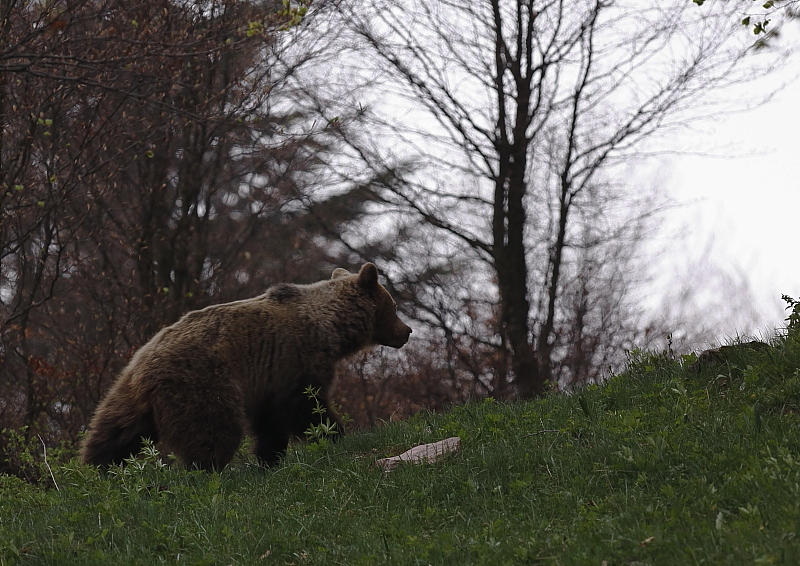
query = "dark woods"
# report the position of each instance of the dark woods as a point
(151, 165)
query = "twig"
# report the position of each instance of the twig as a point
(540, 432)
(52, 477)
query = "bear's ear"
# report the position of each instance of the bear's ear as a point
(368, 277)
(339, 272)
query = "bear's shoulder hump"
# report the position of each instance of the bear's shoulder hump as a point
(283, 293)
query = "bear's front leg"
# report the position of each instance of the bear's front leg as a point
(272, 438)
(275, 424)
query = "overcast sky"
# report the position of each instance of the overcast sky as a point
(745, 210)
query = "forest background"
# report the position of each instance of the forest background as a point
(158, 157)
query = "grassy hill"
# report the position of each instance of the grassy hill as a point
(675, 461)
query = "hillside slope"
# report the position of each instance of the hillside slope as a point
(675, 461)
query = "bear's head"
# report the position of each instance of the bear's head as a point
(389, 329)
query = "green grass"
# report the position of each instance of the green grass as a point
(661, 465)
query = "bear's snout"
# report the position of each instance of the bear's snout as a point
(405, 333)
(398, 337)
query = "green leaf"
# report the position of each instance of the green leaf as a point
(760, 27)
(584, 406)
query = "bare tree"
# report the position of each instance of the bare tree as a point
(509, 120)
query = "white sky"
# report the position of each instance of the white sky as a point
(748, 207)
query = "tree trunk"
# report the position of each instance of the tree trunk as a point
(508, 223)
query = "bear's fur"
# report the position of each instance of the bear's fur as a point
(199, 385)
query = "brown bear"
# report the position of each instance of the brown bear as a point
(199, 385)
